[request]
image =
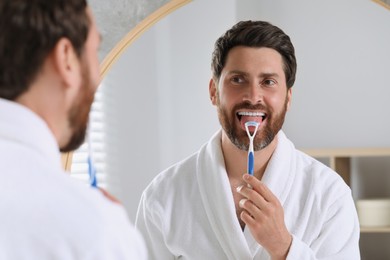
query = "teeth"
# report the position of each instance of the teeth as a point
(251, 114)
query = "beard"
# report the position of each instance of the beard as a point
(264, 135)
(78, 115)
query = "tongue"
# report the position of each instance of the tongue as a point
(245, 119)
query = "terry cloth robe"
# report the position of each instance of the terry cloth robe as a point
(44, 213)
(188, 211)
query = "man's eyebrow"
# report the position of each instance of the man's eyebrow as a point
(269, 75)
(238, 72)
(261, 75)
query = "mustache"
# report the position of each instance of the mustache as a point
(249, 106)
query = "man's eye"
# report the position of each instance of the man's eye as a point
(269, 82)
(237, 80)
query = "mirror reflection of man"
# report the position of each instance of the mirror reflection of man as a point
(49, 72)
(207, 207)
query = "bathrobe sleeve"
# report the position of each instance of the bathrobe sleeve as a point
(338, 238)
(151, 225)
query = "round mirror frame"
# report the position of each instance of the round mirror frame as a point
(123, 44)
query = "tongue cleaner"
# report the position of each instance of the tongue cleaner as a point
(251, 155)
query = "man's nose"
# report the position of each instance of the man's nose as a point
(253, 93)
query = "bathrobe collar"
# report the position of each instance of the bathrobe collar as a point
(217, 197)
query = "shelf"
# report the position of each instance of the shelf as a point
(339, 159)
(348, 152)
(375, 229)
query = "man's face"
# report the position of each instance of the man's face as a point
(79, 112)
(252, 87)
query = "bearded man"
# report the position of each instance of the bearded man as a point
(208, 207)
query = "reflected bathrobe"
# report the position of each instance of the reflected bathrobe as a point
(188, 211)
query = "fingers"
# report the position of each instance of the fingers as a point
(259, 200)
(250, 212)
(249, 206)
(263, 215)
(109, 196)
(253, 196)
(259, 187)
(248, 219)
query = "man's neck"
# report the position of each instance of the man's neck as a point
(236, 159)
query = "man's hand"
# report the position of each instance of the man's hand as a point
(263, 214)
(109, 196)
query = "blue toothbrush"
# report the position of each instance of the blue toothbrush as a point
(251, 153)
(91, 166)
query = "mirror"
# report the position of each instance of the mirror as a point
(156, 105)
(155, 96)
(384, 3)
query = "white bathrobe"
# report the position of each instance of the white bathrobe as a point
(188, 211)
(44, 213)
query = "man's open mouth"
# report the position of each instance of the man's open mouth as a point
(251, 116)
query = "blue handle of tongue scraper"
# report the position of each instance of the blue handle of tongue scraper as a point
(92, 173)
(251, 161)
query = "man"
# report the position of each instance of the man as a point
(293, 207)
(49, 72)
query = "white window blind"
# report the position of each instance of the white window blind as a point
(79, 168)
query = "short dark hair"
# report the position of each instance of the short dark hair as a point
(255, 34)
(29, 30)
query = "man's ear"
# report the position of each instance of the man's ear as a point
(289, 96)
(67, 62)
(213, 91)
